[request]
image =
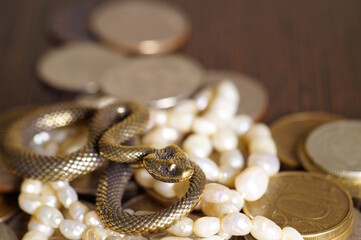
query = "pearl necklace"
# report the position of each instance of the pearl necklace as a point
(216, 129)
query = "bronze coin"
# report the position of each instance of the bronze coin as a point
(145, 27)
(288, 130)
(6, 233)
(8, 181)
(157, 81)
(253, 95)
(77, 66)
(317, 207)
(68, 21)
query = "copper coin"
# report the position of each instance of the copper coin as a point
(68, 21)
(253, 95)
(6, 233)
(157, 81)
(8, 206)
(8, 181)
(288, 130)
(145, 27)
(77, 66)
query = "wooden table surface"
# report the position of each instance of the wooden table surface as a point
(306, 52)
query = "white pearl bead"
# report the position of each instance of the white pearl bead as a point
(165, 189)
(227, 175)
(215, 237)
(223, 109)
(48, 197)
(180, 121)
(237, 199)
(208, 166)
(236, 224)
(216, 193)
(51, 148)
(29, 202)
(228, 90)
(72, 229)
(203, 98)
(289, 233)
(67, 195)
(31, 186)
(219, 210)
(77, 211)
(157, 117)
(183, 228)
(269, 162)
(144, 178)
(224, 235)
(35, 225)
(161, 134)
(95, 233)
(49, 215)
(186, 106)
(175, 238)
(224, 139)
(198, 145)
(232, 158)
(128, 210)
(264, 228)
(241, 124)
(258, 130)
(206, 226)
(91, 219)
(205, 126)
(59, 185)
(263, 145)
(34, 235)
(252, 182)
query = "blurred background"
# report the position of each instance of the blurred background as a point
(306, 53)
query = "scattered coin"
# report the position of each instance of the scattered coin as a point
(316, 207)
(68, 21)
(356, 233)
(353, 186)
(95, 100)
(253, 95)
(77, 66)
(8, 181)
(336, 148)
(288, 130)
(8, 206)
(145, 27)
(158, 81)
(6, 233)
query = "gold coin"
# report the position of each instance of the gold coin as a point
(77, 66)
(157, 81)
(316, 207)
(288, 130)
(336, 148)
(253, 95)
(8, 181)
(353, 186)
(145, 27)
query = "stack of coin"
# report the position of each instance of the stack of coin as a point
(317, 207)
(334, 149)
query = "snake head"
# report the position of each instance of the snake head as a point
(169, 164)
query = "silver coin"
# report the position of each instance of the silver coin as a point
(159, 81)
(356, 233)
(253, 95)
(77, 66)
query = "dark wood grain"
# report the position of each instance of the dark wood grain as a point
(306, 52)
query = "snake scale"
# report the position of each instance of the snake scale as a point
(110, 129)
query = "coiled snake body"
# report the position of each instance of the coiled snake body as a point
(109, 129)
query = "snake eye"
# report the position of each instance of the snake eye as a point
(172, 167)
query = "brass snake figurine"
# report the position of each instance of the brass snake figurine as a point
(109, 130)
